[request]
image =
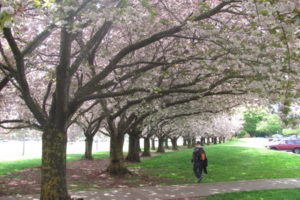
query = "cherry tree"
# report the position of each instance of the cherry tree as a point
(89, 119)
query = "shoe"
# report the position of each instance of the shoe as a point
(199, 179)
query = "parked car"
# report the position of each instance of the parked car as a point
(287, 144)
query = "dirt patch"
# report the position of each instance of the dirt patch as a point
(82, 174)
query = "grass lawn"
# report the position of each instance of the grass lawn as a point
(276, 194)
(7, 167)
(226, 162)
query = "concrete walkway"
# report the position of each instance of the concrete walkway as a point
(178, 191)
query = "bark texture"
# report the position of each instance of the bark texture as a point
(134, 148)
(53, 171)
(116, 164)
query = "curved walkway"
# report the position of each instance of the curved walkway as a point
(178, 191)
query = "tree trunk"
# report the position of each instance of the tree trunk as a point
(193, 142)
(189, 143)
(208, 140)
(215, 140)
(202, 141)
(53, 170)
(174, 143)
(134, 148)
(161, 145)
(153, 143)
(116, 163)
(139, 145)
(220, 140)
(146, 152)
(223, 139)
(166, 143)
(88, 148)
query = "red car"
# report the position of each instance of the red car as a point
(287, 144)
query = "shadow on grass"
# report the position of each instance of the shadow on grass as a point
(7, 167)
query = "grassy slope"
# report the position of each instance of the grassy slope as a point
(226, 162)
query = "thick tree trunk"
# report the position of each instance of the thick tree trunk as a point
(146, 152)
(174, 143)
(134, 148)
(53, 170)
(167, 143)
(88, 148)
(189, 143)
(220, 140)
(153, 143)
(202, 141)
(116, 164)
(223, 139)
(161, 145)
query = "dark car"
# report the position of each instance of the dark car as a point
(287, 144)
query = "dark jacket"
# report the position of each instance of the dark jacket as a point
(196, 161)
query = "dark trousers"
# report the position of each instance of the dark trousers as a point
(198, 170)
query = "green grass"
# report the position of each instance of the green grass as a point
(226, 162)
(274, 194)
(7, 167)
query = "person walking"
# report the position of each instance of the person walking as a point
(199, 160)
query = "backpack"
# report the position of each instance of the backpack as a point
(199, 156)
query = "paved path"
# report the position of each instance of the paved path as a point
(179, 191)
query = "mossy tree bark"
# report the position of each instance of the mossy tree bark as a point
(53, 170)
(174, 143)
(116, 162)
(146, 152)
(153, 143)
(54, 139)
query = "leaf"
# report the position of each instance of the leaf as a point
(37, 3)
